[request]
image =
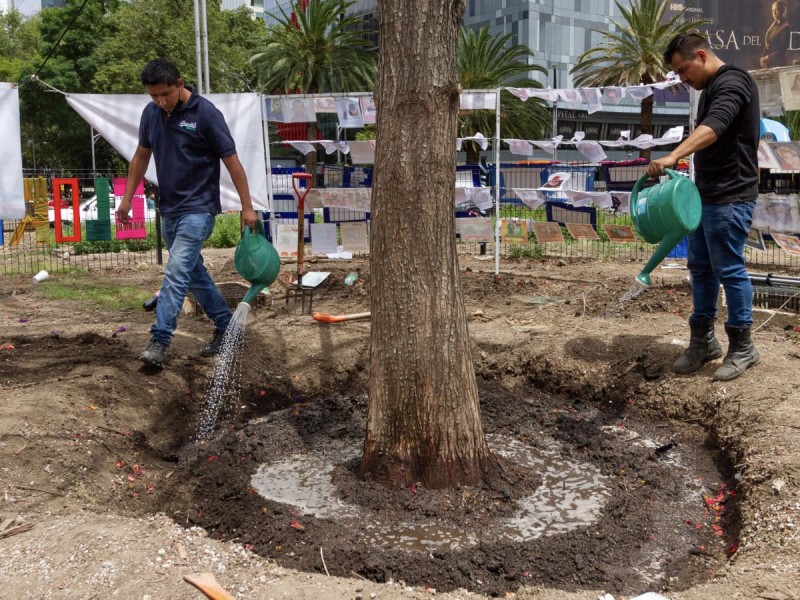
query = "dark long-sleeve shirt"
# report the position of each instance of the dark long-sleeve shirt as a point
(727, 171)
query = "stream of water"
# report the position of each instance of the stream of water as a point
(634, 291)
(225, 382)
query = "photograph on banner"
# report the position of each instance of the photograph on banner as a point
(299, 110)
(787, 154)
(368, 109)
(790, 87)
(547, 233)
(275, 109)
(354, 237)
(783, 213)
(475, 229)
(582, 231)
(748, 34)
(286, 243)
(323, 238)
(514, 232)
(555, 182)
(755, 240)
(478, 100)
(621, 202)
(761, 213)
(766, 159)
(789, 243)
(324, 105)
(619, 233)
(349, 112)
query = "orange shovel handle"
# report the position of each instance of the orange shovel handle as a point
(326, 318)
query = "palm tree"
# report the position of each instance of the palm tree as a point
(486, 63)
(315, 49)
(633, 53)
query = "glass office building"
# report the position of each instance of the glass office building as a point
(558, 32)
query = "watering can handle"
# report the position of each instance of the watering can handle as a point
(246, 232)
(638, 185)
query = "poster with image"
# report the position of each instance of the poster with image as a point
(619, 233)
(789, 243)
(547, 233)
(582, 231)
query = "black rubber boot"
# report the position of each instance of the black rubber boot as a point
(215, 345)
(742, 354)
(703, 346)
(154, 355)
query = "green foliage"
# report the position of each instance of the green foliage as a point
(227, 231)
(792, 120)
(487, 62)
(370, 132)
(318, 51)
(532, 251)
(147, 29)
(632, 53)
(19, 42)
(107, 295)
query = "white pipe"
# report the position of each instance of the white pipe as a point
(205, 47)
(497, 183)
(197, 45)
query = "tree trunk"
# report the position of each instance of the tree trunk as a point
(423, 422)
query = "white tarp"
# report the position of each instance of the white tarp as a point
(116, 118)
(12, 192)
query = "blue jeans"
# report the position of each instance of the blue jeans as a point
(716, 256)
(186, 272)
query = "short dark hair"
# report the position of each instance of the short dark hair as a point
(687, 45)
(160, 70)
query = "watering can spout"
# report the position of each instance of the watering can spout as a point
(665, 247)
(254, 291)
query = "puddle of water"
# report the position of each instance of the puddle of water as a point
(571, 496)
(225, 382)
(304, 481)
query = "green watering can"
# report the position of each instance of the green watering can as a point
(666, 213)
(256, 260)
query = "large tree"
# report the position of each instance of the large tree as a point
(487, 62)
(423, 422)
(315, 48)
(631, 54)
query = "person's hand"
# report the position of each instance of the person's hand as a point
(657, 166)
(764, 62)
(123, 211)
(249, 219)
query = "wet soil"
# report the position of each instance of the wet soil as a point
(87, 430)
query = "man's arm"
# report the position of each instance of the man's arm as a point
(239, 177)
(701, 138)
(136, 171)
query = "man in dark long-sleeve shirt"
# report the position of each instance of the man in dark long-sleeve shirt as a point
(725, 145)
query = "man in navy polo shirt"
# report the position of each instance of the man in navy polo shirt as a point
(188, 136)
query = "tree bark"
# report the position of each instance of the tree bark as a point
(423, 422)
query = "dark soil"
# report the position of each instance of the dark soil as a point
(651, 518)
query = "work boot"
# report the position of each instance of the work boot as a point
(215, 345)
(155, 354)
(703, 346)
(742, 354)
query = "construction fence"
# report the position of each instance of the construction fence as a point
(70, 222)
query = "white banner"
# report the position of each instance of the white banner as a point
(12, 192)
(116, 118)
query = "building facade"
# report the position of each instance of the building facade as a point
(558, 32)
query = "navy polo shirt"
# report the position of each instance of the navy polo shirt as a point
(187, 147)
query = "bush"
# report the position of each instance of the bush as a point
(227, 231)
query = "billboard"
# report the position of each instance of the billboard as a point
(751, 34)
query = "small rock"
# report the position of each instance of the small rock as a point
(778, 485)
(561, 263)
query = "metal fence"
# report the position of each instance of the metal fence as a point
(35, 247)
